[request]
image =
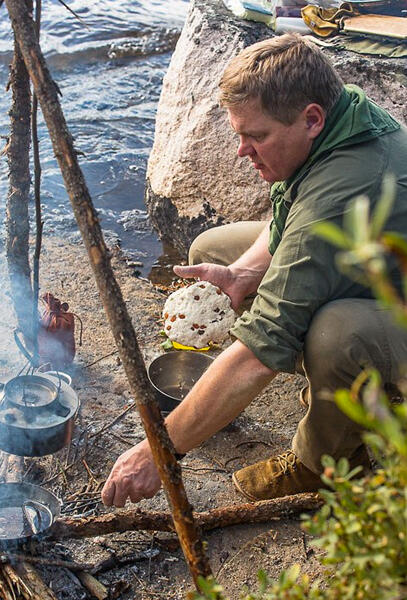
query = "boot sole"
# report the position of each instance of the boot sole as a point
(241, 490)
(304, 397)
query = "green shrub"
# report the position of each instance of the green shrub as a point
(362, 527)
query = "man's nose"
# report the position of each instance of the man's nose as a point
(245, 148)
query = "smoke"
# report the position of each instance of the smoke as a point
(11, 360)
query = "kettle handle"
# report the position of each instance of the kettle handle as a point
(59, 376)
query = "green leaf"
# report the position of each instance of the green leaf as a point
(352, 409)
(356, 220)
(395, 240)
(167, 345)
(332, 233)
(294, 571)
(342, 467)
(328, 461)
(384, 206)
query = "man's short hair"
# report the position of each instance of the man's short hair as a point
(286, 73)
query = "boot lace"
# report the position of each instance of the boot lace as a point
(286, 461)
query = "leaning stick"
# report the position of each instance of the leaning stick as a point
(17, 219)
(94, 587)
(136, 520)
(120, 322)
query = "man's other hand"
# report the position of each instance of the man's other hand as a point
(237, 284)
(133, 476)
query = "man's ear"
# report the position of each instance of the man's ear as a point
(314, 116)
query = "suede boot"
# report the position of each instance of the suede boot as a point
(284, 475)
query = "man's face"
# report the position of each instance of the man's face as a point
(275, 149)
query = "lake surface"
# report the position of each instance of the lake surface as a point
(110, 75)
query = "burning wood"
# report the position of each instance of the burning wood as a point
(23, 581)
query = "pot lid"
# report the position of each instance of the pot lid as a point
(30, 392)
(37, 402)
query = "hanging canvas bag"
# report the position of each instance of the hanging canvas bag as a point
(56, 333)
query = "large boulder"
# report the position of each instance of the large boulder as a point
(194, 178)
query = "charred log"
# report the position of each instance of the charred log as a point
(23, 581)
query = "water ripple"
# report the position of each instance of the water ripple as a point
(110, 76)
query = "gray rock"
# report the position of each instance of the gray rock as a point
(194, 178)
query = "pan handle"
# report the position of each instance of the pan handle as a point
(39, 508)
(21, 346)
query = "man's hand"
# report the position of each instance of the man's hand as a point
(236, 283)
(133, 476)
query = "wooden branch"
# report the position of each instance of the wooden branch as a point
(94, 587)
(114, 561)
(31, 578)
(15, 558)
(15, 583)
(17, 219)
(23, 582)
(136, 520)
(120, 322)
(37, 198)
(106, 564)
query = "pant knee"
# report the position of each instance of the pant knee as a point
(340, 342)
(200, 249)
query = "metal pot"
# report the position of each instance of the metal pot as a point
(37, 414)
(27, 511)
(174, 374)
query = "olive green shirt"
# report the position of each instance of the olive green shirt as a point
(302, 275)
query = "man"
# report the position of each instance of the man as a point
(324, 144)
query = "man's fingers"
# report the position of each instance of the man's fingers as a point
(123, 488)
(134, 475)
(135, 496)
(108, 493)
(187, 271)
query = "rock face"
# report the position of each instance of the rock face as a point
(195, 179)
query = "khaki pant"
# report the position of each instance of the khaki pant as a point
(344, 337)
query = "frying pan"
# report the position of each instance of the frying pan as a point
(27, 511)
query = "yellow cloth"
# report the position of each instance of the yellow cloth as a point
(325, 21)
(178, 346)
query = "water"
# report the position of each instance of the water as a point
(110, 76)
(23, 521)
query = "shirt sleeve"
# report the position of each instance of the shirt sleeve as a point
(303, 275)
